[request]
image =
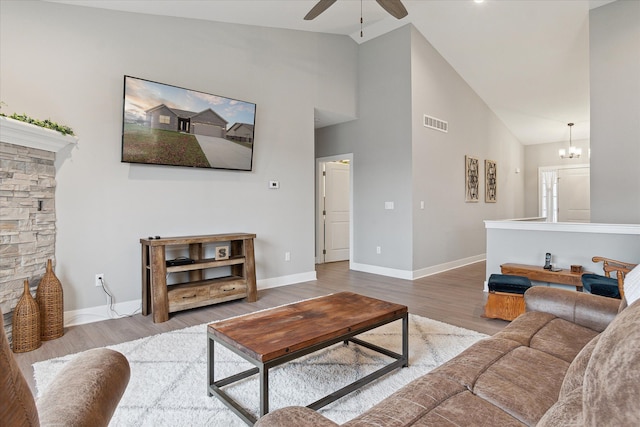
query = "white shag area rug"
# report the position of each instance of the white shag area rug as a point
(168, 385)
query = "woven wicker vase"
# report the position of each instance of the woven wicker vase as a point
(26, 323)
(50, 301)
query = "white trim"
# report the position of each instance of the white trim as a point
(276, 282)
(570, 227)
(416, 274)
(435, 269)
(100, 313)
(27, 135)
(318, 208)
(127, 308)
(382, 271)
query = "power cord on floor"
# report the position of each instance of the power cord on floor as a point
(111, 302)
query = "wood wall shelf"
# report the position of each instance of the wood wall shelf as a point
(161, 299)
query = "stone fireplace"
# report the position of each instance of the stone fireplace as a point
(27, 208)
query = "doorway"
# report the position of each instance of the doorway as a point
(334, 213)
(564, 193)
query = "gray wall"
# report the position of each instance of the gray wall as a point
(402, 77)
(614, 34)
(449, 229)
(67, 63)
(380, 141)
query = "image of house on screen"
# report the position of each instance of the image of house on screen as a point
(206, 122)
(242, 132)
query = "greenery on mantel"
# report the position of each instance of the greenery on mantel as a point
(48, 124)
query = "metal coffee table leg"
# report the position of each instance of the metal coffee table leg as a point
(262, 369)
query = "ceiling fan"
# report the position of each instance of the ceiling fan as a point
(394, 7)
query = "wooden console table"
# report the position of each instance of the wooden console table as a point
(534, 272)
(161, 299)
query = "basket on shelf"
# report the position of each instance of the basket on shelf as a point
(50, 301)
(26, 323)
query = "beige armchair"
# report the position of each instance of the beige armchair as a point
(85, 393)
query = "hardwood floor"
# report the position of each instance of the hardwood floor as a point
(453, 297)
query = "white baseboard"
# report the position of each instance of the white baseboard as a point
(382, 271)
(286, 280)
(127, 308)
(99, 313)
(423, 272)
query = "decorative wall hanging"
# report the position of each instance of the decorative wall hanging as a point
(472, 174)
(490, 181)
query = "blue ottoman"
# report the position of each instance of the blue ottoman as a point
(506, 296)
(508, 283)
(600, 285)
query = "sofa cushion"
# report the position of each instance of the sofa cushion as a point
(565, 412)
(410, 403)
(543, 331)
(524, 383)
(573, 338)
(432, 400)
(577, 307)
(467, 366)
(574, 377)
(464, 409)
(610, 392)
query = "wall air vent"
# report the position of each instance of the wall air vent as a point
(437, 124)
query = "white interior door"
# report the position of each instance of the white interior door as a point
(336, 211)
(574, 195)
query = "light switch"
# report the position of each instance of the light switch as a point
(388, 205)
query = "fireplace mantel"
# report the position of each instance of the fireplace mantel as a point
(27, 208)
(27, 135)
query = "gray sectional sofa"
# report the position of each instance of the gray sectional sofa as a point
(571, 359)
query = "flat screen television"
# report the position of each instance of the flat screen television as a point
(169, 125)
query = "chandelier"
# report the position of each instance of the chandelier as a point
(574, 152)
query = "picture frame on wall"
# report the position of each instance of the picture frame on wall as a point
(490, 181)
(472, 179)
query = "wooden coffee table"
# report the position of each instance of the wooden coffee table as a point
(275, 336)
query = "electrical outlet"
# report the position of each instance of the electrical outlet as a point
(287, 256)
(99, 279)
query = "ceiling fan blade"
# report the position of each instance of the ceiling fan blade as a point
(320, 7)
(394, 7)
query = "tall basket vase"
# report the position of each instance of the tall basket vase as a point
(26, 323)
(50, 301)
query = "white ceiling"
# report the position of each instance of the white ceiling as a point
(528, 60)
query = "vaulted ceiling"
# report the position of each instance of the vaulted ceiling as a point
(528, 60)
